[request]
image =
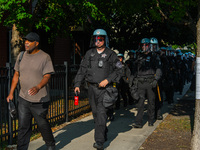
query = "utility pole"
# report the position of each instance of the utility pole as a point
(195, 143)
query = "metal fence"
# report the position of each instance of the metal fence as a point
(61, 109)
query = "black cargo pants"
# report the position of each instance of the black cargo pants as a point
(99, 112)
(122, 89)
(145, 91)
(27, 110)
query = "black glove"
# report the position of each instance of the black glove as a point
(154, 83)
(134, 93)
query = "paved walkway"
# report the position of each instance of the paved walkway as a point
(121, 136)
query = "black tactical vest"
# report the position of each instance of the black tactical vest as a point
(99, 65)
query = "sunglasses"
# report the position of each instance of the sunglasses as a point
(99, 38)
(29, 40)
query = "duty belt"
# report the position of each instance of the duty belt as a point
(97, 85)
(143, 79)
(93, 84)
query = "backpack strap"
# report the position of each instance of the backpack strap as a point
(20, 58)
(21, 55)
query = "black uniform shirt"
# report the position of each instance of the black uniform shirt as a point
(148, 65)
(97, 67)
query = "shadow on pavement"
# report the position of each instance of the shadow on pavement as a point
(120, 124)
(71, 132)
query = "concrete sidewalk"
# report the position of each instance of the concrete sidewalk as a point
(121, 136)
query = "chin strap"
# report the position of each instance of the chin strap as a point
(103, 46)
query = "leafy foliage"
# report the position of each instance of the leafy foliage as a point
(126, 22)
(56, 16)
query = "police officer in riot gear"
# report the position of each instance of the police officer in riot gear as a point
(180, 68)
(131, 65)
(147, 75)
(169, 75)
(131, 61)
(154, 47)
(123, 85)
(100, 67)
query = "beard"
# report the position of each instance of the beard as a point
(100, 47)
(29, 49)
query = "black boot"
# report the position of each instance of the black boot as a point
(150, 123)
(136, 125)
(159, 117)
(98, 146)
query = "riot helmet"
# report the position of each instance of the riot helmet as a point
(168, 51)
(189, 54)
(186, 55)
(173, 54)
(179, 55)
(120, 56)
(144, 45)
(132, 54)
(163, 51)
(99, 35)
(163, 48)
(154, 44)
(178, 50)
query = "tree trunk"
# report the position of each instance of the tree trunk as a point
(15, 44)
(195, 142)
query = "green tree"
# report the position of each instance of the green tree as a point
(58, 17)
(127, 22)
(181, 14)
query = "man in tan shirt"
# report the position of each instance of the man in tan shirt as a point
(33, 72)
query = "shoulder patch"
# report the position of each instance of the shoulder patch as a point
(119, 64)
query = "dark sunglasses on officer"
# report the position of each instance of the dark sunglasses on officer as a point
(99, 38)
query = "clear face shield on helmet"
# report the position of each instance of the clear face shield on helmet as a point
(168, 53)
(97, 41)
(154, 47)
(144, 47)
(154, 44)
(98, 38)
(163, 51)
(132, 54)
(121, 57)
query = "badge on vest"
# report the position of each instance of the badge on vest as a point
(104, 55)
(100, 64)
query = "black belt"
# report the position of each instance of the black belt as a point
(145, 79)
(93, 84)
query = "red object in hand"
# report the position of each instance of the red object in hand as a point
(76, 99)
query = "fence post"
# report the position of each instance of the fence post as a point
(10, 127)
(66, 90)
